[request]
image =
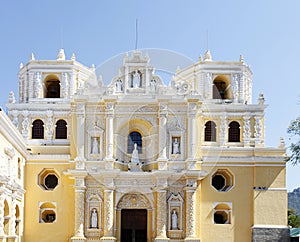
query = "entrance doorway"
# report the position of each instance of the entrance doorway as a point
(133, 225)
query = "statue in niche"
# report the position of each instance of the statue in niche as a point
(135, 164)
(95, 146)
(119, 86)
(94, 219)
(176, 144)
(152, 85)
(174, 220)
(136, 79)
(135, 155)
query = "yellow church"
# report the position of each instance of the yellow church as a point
(84, 159)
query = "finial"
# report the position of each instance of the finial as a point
(242, 58)
(73, 57)
(207, 56)
(261, 99)
(200, 58)
(21, 65)
(93, 66)
(61, 55)
(147, 56)
(32, 56)
(11, 98)
(281, 143)
(100, 80)
(177, 69)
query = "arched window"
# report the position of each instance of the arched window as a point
(53, 89)
(38, 129)
(234, 132)
(222, 213)
(47, 212)
(134, 138)
(61, 129)
(210, 131)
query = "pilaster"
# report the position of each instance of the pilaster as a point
(161, 216)
(12, 221)
(80, 112)
(79, 209)
(162, 143)
(247, 130)
(258, 131)
(190, 195)
(25, 124)
(223, 130)
(1, 215)
(49, 125)
(108, 214)
(109, 133)
(192, 112)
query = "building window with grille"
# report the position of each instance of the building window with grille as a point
(234, 132)
(61, 129)
(134, 138)
(210, 131)
(38, 129)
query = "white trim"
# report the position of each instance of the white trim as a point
(217, 164)
(269, 226)
(43, 163)
(270, 189)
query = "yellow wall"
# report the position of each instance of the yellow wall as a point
(62, 229)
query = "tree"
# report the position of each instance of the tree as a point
(294, 130)
(293, 219)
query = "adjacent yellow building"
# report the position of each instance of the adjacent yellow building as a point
(134, 159)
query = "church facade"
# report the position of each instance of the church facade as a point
(139, 160)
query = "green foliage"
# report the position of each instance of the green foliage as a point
(293, 219)
(294, 200)
(294, 130)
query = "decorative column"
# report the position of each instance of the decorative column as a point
(258, 131)
(80, 159)
(2, 236)
(25, 124)
(73, 84)
(162, 142)
(79, 209)
(108, 214)
(65, 85)
(109, 133)
(242, 88)
(192, 131)
(235, 87)
(247, 131)
(30, 85)
(190, 203)
(223, 130)
(208, 86)
(49, 125)
(161, 216)
(12, 221)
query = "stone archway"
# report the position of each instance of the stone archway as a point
(134, 216)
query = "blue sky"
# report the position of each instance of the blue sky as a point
(266, 32)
